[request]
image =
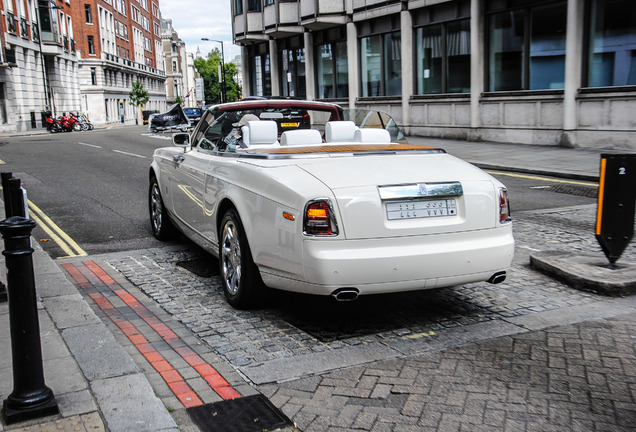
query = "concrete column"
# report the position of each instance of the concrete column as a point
(310, 68)
(477, 62)
(573, 68)
(353, 61)
(273, 61)
(245, 71)
(406, 30)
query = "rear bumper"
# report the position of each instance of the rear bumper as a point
(399, 264)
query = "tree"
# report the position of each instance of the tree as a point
(178, 100)
(209, 71)
(138, 96)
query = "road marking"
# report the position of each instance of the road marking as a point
(63, 240)
(547, 179)
(129, 154)
(90, 145)
(163, 137)
(2, 162)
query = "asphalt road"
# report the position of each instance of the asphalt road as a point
(93, 186)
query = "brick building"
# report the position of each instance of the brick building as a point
(118, 43)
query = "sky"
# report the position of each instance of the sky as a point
(196, 19)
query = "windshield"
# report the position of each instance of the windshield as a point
(375, 119)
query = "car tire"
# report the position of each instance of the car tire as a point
(160, 223)
(239, 275)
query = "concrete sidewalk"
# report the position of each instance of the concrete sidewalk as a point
(98, 382)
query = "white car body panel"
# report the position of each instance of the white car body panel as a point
(370, 253)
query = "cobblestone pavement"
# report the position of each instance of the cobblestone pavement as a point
(474, 357)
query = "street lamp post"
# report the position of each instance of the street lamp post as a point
(223, 95)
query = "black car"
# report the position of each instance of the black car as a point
(193, 114)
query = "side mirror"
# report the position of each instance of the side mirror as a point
(181, 139)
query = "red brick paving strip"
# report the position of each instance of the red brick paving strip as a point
(171, 376)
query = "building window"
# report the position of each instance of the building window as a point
(443, 58)
(333, 73)
(293, 73)
(3, 105)
(527, 48)
(253, 5)
(612, 47)
(93, 76)
(238, 7)
(88, 14)
(91, 45)
(174, 66)
(260, 70)
(381, 65)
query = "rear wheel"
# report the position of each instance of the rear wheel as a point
(160, 223)
(240, 277)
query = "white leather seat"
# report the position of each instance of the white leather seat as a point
(263, 133)
(300, 137)
(372, 135)
(340, 131)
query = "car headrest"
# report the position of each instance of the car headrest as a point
(372, 135)
(340, 131)
(262, 133)
(300, 137)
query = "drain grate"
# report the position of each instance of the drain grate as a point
(578, 190)
(248, 414)
(203, 267)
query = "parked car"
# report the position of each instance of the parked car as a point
(327, 208)
(193, 114)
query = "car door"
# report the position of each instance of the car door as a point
(189, 178)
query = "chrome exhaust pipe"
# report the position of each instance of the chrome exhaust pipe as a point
(497, 278)
(345, 294)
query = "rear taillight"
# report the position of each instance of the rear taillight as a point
(319, 219)
(504, 206)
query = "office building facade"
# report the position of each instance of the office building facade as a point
(527, 71)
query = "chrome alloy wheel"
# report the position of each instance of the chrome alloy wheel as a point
(231, 258)
(156, 209)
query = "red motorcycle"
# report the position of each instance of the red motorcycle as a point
(65, 123)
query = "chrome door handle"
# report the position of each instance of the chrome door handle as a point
(177, 159)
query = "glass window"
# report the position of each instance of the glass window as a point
(612, 50)
(238, 7)
(260, 75)
(293, 76)
(87, 12)
(381, 65)
(547, 47)
(429, 59)
(458, 57)
(527, 48)
(91, 45)
(371, 60)
(333, 72)
(253, 5)
(506, 51)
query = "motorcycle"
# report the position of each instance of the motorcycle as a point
(65, 123)
(83, 121)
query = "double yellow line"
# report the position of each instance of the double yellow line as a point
(62, 239)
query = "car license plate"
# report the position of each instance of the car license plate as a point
(289, 124)
(415, 209)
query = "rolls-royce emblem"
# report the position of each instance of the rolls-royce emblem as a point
(421, 189)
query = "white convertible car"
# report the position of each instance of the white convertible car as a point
(294, 196)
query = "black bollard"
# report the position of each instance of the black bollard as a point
(31, 398)
(14, 205)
